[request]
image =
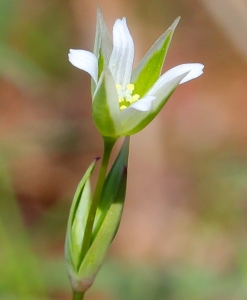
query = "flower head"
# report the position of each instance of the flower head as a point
(124, 102)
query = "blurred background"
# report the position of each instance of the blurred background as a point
(183, 233)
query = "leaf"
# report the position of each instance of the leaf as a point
(81, 201)
(110, 208)
(111, 185)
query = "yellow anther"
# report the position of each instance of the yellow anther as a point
(125, 97)
(130, 87)
(134, 98)
(122, 107)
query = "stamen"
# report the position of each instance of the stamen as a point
(125, 97)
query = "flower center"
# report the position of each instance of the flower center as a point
(125, 97)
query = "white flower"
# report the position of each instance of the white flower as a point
(125, 102)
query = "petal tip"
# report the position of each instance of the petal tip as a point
(85, 61)
(195, 70)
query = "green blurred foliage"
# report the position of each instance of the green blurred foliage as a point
(135, 281)
(19, 273)
(33, 41)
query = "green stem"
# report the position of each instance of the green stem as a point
(108, 145)
(78, 296)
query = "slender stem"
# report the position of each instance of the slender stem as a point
(108, 145)
(78, 296)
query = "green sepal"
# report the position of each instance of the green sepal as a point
(149, 69)
(106, 112)
(101, 63)
(103, 41)
(109, 217)
(77, 220)
(102, 46)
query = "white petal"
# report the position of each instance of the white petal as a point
(196, 70)
(121, 60)
(193, 71)
(85, 61)
(143, 104)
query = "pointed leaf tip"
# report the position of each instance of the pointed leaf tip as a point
(175, 23)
